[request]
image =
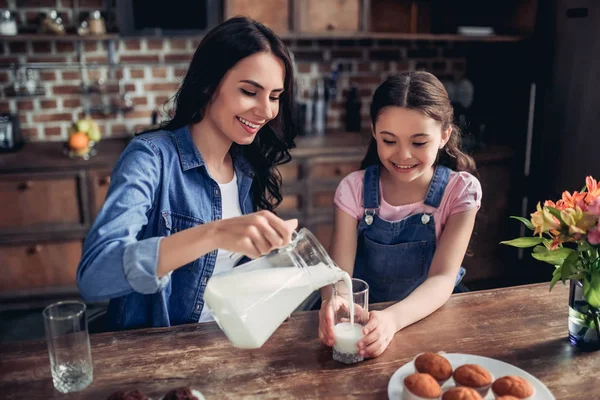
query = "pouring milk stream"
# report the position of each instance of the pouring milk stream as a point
(250, 302)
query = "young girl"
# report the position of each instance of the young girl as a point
(403, 222)
(182, 199)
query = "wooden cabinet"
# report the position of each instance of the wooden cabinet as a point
(402, 16)
(322, 16)
(99, 182)
(48, 204)
(30, 200)
(39, 266)
(273, 13)
(334, 167)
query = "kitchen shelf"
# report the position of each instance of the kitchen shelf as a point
(289, 35)
(405, 36)
(43, 37)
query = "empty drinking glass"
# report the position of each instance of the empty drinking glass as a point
(347, 334)
(68, 346)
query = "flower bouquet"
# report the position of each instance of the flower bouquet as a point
(566, 234)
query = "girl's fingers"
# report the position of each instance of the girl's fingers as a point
(373, 350)
(371, 325)
(368, 340)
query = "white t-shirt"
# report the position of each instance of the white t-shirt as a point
(231, 208)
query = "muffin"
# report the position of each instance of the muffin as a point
(506, 398)
(435, 365)
(421, 387)
(513, 386)
(183, 393)
(127, 395)
(461, 393)
(474, 377)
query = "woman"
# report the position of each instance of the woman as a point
(187, 199)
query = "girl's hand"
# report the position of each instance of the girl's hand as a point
(255, 234)
(326, 334)
(379, 332)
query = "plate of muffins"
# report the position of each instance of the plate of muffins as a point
(453, 376)
(180, 393)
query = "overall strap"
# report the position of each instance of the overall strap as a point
(371, 193)
(437, 186)
(371, 188)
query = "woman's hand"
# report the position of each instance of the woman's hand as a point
(255, 234)
(378, 332)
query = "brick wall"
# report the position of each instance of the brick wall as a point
(150, 69)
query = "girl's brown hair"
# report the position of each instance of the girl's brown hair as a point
(423, 92)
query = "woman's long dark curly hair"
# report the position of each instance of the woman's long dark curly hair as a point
(222, 48)
(423, 92)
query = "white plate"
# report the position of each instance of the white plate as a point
(497, 368)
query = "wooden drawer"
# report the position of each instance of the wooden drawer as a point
(408, 16)
(331, 15)
(289, 172)
(33, 201)
(333, 169)
(99, 182)
(39, 265)
(323, 199)
(290, 202)
(273, 13)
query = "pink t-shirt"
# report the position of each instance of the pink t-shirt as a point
(462, 193)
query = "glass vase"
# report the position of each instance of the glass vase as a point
(584, 329)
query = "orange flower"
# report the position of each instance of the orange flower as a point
(550, 203)
(557, 241)
(593, 190)
(570, 200)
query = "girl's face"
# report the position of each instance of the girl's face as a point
(408, 142)
(247, 97)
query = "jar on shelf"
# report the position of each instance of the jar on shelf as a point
(96, 24)
(52, 23)
(8, 25)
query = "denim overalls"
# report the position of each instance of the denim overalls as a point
(394, 257)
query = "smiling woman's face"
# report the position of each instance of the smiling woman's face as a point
(247, 97)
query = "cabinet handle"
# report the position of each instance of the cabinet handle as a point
(34, 249)
(337, 171)
(105, 181)
(25, 185)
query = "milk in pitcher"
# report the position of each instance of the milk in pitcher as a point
(249, 305)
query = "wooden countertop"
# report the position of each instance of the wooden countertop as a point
(525, 326)
(43, 156)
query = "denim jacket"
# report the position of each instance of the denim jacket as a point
(159, 186)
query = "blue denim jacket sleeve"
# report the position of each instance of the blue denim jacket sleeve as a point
(114, 262)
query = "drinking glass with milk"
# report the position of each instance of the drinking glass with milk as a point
(351, 314)
(250, 302)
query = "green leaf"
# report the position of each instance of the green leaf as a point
(525, 221)
(554, 257)
(556, 213)
(591, 290)
(577, 277)
(584, 246)
(555, 277)
(524, 242)
(568, 266)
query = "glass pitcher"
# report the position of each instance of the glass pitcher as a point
(251, 301)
